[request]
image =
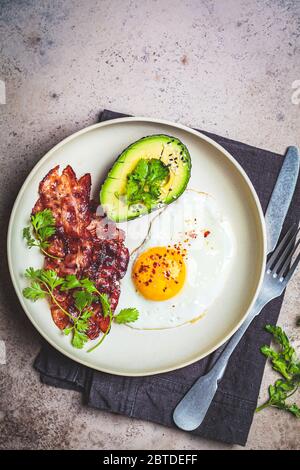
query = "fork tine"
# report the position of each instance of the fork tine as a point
(279, 247)
(292, 270)
(284, 256)
(288, 260)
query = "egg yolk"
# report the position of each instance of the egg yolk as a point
(159, 273)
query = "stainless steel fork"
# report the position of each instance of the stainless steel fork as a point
(191, 410)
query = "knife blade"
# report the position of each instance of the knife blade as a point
(281, 196)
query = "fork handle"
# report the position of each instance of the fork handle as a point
(191, 410)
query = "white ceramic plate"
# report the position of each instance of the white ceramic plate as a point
(132, 352)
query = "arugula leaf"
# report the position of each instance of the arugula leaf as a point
(284, 361)
(42, 227)
(127, 315)
(145, 181)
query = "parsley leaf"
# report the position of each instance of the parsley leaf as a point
(294, 409)
(141, 170)
(70, 282)
(284, 361)
(42, 219)
(106, 309)
(34, 292)
(83, 299)
(82, 324)
(145, 181)
(42, 227)
(79, 339)
(29, 239)
(46, 282)
(157, 171)
(79, 329)
(68, 330)
(127, 315)
(50, 277)
(47, 277)
(88, 285)
(33, 274)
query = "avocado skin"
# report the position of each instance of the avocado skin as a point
(126, 162)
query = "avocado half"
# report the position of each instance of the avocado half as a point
(170, 151)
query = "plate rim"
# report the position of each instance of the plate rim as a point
(239, 168)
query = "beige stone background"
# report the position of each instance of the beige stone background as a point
(226, 65)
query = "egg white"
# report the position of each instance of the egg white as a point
(207, 261)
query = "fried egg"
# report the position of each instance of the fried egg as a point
(181, 266)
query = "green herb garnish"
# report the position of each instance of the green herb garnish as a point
(285, 361)
(44, 283)
(89, 287)
(145, 181)
(107, 311)
(127, 315)
(41, 229)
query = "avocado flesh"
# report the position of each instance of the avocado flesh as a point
(170, 150)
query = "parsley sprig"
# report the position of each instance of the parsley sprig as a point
(126, 315)
(41, 229)
(45, 282)
(145, 181)
(284, 360)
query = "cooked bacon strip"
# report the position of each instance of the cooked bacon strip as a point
(86, 244)
(68, 199)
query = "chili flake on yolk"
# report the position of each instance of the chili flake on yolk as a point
(159, 273)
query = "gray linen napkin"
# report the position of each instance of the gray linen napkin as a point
(154, 398)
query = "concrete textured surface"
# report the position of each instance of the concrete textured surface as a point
(226, 66)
